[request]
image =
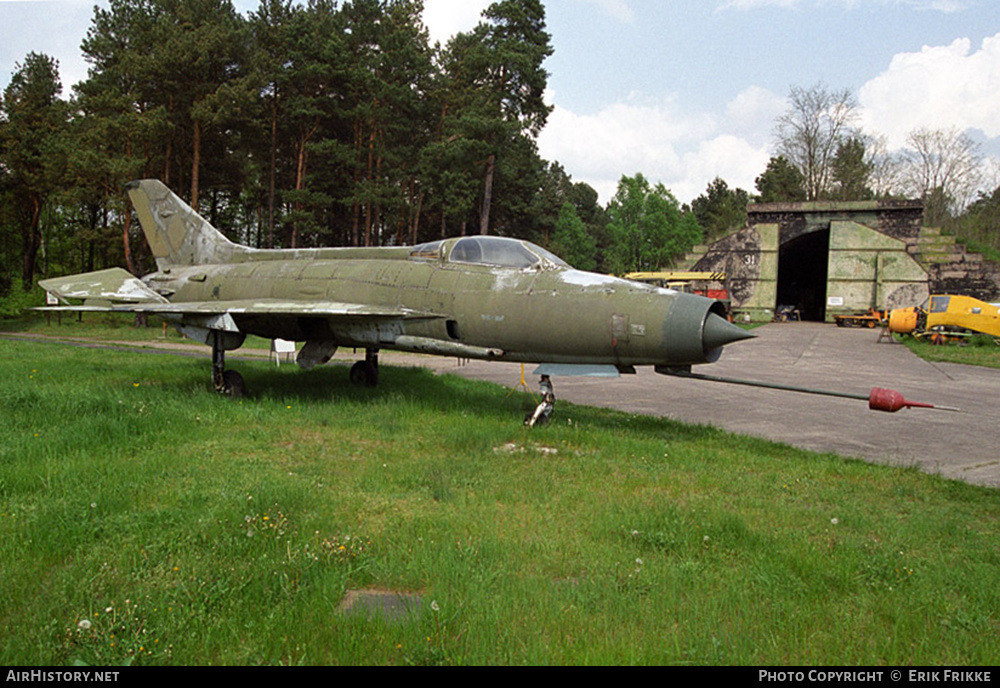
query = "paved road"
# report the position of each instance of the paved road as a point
(956, 445)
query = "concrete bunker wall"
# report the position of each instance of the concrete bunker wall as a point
(868, 269)
(749, 258)
(867, 258)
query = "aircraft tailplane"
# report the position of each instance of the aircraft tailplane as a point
(177, 234)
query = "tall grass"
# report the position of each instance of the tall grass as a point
(145, 520)
(980, 350)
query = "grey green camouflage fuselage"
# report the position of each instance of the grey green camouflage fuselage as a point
(472, 297)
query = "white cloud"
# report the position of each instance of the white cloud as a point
(756, 4)
(620, 139)
(938, 88)
(618, 9)
(734, 159)
(946, 6)
(445, 18)
(683, 151)
(752, 113)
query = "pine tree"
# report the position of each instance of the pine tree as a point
(33, 149)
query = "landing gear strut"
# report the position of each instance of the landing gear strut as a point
(366, 372)
(225, 381)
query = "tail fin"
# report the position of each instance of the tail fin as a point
(177, 234)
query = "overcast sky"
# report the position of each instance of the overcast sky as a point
(687, 90)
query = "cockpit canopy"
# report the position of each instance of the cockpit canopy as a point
(489, 250)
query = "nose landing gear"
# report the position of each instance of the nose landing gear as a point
(541, 414)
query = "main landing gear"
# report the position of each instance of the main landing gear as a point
(231, 383)
(225, 381)
(366, 372)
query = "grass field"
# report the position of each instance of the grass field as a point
(146, 520)
(980, 350)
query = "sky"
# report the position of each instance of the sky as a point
(684, 91)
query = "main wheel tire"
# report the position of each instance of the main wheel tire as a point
(233, 384)
(363, 373)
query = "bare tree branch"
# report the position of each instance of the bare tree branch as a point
(808, 134)
(944, 164)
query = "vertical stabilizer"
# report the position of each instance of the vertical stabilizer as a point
(177, 234)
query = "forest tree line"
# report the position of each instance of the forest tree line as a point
(329, 124)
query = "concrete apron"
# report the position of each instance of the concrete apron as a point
(962, 445)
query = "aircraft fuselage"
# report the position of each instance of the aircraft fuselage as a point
(545, 312)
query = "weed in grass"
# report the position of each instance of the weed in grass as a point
(434, 650)
(885, 568)
(117, 635)
(269, 525)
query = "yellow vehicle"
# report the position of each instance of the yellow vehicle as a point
(682, 281)
(947, 312)
(869, 318)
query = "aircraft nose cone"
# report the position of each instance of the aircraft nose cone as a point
(718, 332)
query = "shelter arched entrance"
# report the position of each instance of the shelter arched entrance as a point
(802, 273)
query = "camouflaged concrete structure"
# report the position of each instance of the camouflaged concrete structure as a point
(830, 258)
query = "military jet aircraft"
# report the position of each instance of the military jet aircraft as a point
(477, 297)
